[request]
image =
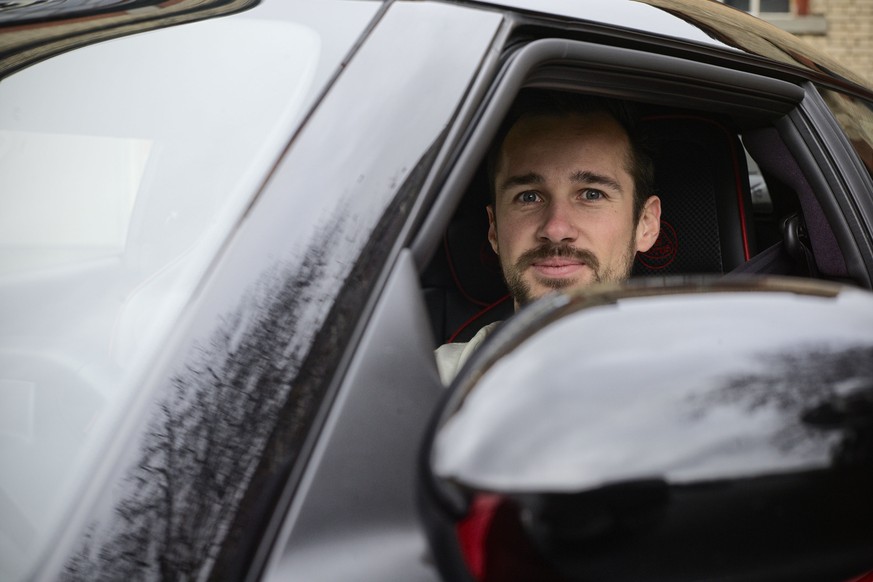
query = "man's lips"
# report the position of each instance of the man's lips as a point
(557, 267)
(557, 261)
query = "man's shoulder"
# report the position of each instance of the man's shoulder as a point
(450, 357)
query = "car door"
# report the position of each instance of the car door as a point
(203, 439)
(352, 516)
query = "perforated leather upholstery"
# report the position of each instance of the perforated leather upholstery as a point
(703, 182)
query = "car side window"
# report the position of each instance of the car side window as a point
(125, 166)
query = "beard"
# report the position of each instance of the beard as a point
(521, 289)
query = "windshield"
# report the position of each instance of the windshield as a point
(124, 167)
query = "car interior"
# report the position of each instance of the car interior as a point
(735, 168)
(710, 225)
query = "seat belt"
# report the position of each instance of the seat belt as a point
(790, 256)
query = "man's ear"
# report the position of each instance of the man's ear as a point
(492, 228)
(649, 226)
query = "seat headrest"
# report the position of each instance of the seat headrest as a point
(702, 179)
(474, 264)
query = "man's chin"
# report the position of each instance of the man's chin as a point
(541, 287)
(528, 289)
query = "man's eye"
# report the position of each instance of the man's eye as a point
(529, 196)
(592, 194)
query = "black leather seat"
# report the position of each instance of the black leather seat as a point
(706, 208)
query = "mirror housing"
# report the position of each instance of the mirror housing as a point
(712, 428)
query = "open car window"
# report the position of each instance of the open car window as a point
(745, 185)
(738, 194)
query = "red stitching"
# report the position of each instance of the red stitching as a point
(475, 317)
(455, 277)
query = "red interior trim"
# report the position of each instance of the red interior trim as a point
(473, 530)
(456, 279)
(738, 184)
(479, 314)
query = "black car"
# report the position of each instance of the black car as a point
(233, 233)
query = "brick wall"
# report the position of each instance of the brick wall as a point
(849, 37)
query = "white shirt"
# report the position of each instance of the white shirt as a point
(450, 357)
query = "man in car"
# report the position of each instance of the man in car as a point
(572, 201)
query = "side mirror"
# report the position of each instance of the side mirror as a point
(718, 429)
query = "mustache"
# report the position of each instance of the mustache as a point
(557, 250)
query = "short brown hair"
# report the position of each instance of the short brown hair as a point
(536, 103)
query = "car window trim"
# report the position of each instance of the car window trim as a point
(811, 134)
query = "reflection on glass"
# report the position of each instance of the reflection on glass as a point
(70, 197)
(823, 394)
(856, 118)
(758, 37)
(124, 166)
(203, 445)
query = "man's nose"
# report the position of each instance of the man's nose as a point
(557, 225)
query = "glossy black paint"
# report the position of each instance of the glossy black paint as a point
(753, 463)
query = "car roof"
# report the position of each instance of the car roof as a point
(32, 32)
(626, 14)
(705, 23)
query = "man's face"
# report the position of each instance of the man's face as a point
(563, 211)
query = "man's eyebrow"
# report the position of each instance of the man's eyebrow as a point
(586, 177)
(529, 179)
